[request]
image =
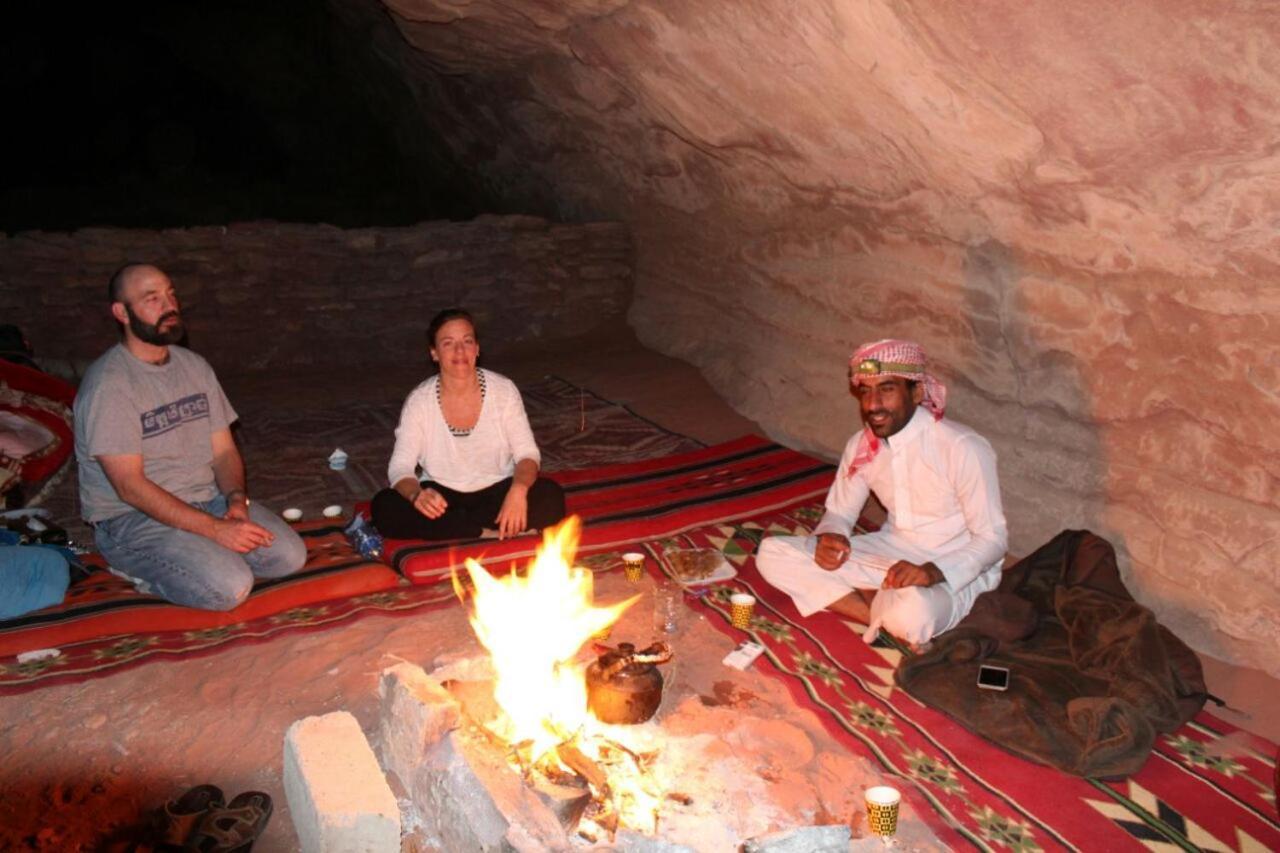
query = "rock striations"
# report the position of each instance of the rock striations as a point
(1075, 207)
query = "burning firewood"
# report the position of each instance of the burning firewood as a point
(577, 761)
(643, 760)
(551, 768)
(608, 819)
(566, 802)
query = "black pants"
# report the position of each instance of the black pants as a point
(467, 513)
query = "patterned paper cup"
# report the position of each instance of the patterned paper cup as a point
(882, 809)
(633, 564)
(741, 606)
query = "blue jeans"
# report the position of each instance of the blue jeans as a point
(189, 569)
(31, 577)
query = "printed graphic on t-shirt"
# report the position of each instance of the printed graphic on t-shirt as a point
(173, 415)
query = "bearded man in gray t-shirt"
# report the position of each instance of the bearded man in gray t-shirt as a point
(161, 479)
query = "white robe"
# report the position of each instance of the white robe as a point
(938, 481)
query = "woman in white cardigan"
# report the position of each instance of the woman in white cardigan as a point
(466, 431)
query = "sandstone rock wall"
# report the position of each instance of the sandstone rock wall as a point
(264, 295)
(1075, 207)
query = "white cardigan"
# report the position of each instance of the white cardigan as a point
(500, 438)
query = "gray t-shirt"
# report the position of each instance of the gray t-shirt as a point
(167, 413)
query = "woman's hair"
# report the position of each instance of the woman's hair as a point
(445, 316)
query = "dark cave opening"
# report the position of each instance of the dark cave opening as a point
(153, 114)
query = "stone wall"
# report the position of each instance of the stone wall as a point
(264, 295)
(1073, 206)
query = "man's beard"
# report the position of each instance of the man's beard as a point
(151, 334)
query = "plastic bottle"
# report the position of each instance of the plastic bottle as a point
(364, 538)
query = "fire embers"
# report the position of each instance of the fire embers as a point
(622, 791)
(534, 624)
(592, 782)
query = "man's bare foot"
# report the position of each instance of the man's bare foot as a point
(856, 606)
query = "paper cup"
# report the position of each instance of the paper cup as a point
(882, 809)
(332, 511)
(741, 606)
(633, 563)
(292, 514)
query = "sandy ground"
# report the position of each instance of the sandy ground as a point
(87, 762)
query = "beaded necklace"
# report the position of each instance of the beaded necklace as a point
(456, 432)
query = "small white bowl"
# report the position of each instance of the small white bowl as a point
(332, 511)
(292, 514)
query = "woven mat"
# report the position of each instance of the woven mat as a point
(104, 625)
(1206, 786)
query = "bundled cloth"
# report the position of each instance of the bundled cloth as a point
(1094, 677)
(36, 434)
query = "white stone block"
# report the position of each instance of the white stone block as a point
(416, 713)
(339, 800)
(804, 839)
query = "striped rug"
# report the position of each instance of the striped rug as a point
(103, 625)
(636, 501)
(1207, 786)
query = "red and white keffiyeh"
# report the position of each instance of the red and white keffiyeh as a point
(892, 357)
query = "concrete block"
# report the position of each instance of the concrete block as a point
(417, 712)
(805, 839)
(471, 799)
(338, 797)
(628, 841)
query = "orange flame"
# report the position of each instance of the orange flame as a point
(533, 626)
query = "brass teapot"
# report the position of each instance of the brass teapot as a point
(624, 686)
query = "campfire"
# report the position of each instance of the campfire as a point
(559, 714)
(535, 743)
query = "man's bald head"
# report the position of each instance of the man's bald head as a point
(130, 272)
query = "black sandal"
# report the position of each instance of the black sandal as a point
(180, 817)
(233, 827)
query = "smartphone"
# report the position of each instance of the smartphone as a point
(993, 677)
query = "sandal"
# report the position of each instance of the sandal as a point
(233, 827)
(180, 817)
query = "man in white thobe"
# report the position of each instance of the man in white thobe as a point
(945, 538)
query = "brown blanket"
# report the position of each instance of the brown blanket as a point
(1094, 677)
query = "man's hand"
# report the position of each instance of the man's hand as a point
(237, 506)
(514, 515)
(127, 477)
(430, 503)
(240, 536)
(902, 574)
(831, 552)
